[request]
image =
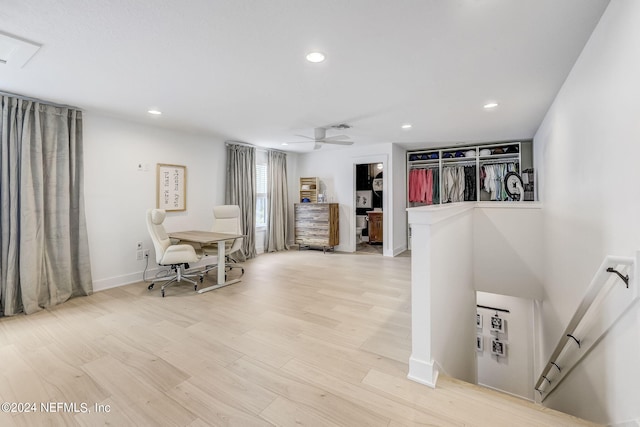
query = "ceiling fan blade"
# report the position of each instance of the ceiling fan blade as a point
(337, 138)
(304, 136)
(327, 141)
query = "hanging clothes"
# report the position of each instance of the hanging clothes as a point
(470, 183)
(453, 184)
(436, 186)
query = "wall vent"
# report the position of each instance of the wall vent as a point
(15, 52)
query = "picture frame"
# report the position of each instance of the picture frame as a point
(377, 184)
(498, 324)
(498, 348)
(478, 320)
(479, 343)
(364, 199)
(171, 187)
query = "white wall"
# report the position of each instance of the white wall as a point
(507, 249)
(336, 171)
(117, 195)
(512, 374)
(399, 197)
(453, 297)
(586, 152)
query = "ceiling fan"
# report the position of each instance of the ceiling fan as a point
(320, 137)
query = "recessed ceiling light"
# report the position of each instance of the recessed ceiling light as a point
(155, 112)
(284, 143)
(490, 105)
(406, 126)
(315, 57)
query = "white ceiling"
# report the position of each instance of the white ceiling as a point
(237, 69)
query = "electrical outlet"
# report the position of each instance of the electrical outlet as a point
(139, 255)
(139, 245)
(146, 253)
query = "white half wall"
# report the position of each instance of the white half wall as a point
(117, 195)
(442, 296)
(586, 153)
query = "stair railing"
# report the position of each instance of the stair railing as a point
(612, 291)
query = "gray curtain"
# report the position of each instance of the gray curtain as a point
(241, 191)
(44, 250)
(278, 218)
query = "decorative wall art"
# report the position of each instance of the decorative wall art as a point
(171, 191)
(479, 343)
(498, 324)
(498, 348)
(364, 199)
(478, 320)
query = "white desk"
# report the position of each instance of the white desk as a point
(206, 238)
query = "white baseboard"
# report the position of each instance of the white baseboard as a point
(423, 372)
(398, 250)
(126, 279)
(506, 392)
(631, 423)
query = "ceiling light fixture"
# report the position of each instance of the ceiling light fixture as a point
(315, 57)
(155, 112)
(490, 105)
(284, 143)
(406, 126)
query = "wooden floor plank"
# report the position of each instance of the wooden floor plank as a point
(305, 338)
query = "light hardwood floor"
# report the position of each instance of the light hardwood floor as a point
(305, 339)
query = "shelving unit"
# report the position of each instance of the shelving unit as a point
(309, 189)
(468, 155)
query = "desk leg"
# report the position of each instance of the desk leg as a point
(221, 271)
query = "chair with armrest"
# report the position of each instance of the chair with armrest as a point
(176, 257)
(226, 219)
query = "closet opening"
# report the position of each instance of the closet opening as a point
(369, 214)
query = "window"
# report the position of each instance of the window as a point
(261, 195)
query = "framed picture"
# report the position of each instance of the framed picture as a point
(478, 320)
(363, 199)
(171, 187)
(377, 184)
(479, 343)
(498, 348)
(498, 324)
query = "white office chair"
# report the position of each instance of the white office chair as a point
(226, 219)
(177, 257)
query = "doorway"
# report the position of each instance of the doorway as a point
(369, 186)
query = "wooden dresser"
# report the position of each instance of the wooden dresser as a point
(375, 226)
(316, 224)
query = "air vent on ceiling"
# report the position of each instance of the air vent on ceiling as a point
(14, 52)
(341, 126)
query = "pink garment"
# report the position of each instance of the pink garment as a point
(429, 188)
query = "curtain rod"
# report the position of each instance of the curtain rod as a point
(28, 98)
(246, 144)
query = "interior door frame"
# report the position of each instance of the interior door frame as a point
(360, 160)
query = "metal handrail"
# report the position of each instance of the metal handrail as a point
(593, 291)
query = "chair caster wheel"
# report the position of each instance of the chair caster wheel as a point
(150, 286)
(201, 279)
(162, 292)
(195, 287)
